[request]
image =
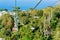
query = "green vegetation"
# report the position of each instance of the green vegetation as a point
(33, 24)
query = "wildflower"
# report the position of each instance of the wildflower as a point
(32, 28)
(36, 17)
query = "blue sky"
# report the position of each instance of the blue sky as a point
(26, 4)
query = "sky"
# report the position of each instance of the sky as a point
(26, 4)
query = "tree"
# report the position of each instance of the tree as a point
(16, 8)
(7, 21)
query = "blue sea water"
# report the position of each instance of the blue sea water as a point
(26, 4)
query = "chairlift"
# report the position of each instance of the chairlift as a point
(15, 28)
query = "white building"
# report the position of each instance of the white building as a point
(3, 12)
(0, 14)
(12, 13)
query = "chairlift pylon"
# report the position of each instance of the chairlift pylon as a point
(16, 18)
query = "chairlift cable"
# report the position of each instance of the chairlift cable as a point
(37, 4)
(53, 2)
